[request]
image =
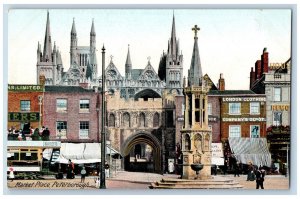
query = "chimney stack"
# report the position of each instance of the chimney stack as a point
(252, 77)
(258, 69)
(264, 62)
(221, 83)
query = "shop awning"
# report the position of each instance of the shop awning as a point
(253, 150)
(82, 153)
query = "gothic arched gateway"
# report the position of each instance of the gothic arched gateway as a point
(137, 160)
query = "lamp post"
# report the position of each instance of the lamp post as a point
(287, 160)
(103, 136)
(40, 98)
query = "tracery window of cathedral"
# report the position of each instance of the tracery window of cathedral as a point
(156, 120)
(111, 120)
(126, 120)
(111, 74)
(142, 120)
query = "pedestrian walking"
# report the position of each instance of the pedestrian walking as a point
(11, 174)
(171, 167)
(106, 167)
(260, 178)
(225, 167)
(97, 182)
(237, 169)
(83, 173)
(251, 175)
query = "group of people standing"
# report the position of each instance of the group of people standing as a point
(30, 133)
(254, 173)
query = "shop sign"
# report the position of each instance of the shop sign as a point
(180, 119)
(212, 118)
(244, 119)
(23, 117)
(280, 107)
(244, 99)
(25, 88)
(216, 150)
(275, 66)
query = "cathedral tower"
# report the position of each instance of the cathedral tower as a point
(196, 136)
(174, 63)
(47, 60)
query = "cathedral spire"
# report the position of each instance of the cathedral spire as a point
(47, 53)
(128, 65)
(93, 33)
(173, 45)
(195, 71)
(73, 31)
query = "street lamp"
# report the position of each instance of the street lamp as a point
(40, 98)
(103, 136)
(287, 160)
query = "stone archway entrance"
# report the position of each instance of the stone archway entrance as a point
(142, 153)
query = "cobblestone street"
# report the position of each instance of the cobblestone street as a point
(136, 180)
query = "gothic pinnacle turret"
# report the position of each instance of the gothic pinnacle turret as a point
(47, 53)
(195, 71)
(128, 65)
(93, 38)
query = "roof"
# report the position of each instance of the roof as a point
(135, 73)
(67, 89)
(231, 92)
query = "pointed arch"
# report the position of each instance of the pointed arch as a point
(142, 120)
(111, 120)
(156, 120)
(126, 119)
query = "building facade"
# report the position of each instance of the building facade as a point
(71, 113)
(275, 81)
(25, 105)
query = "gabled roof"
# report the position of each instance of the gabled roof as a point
(213, 86)
(112, 67)
(148, 70)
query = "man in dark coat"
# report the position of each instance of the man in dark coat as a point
(260, 178)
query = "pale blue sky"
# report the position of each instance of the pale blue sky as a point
(230, 40)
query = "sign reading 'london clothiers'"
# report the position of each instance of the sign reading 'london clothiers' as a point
(244, 99)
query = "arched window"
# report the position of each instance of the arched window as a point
(156, 120)
(111, 120)
(142, 122)
(126, 120)
(187, 142)
(198, 142)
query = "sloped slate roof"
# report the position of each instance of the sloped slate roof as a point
(67, 89)
(230, 92)
(135, 73)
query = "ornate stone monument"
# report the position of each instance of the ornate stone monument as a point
(196, 136)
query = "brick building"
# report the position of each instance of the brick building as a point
(274, 80)
(72, 113)
(23, 106)
(242, 114)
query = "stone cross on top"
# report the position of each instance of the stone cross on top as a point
(111, 58)
(195, 29)
(149, 59)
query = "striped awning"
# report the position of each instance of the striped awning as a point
(253, 150)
